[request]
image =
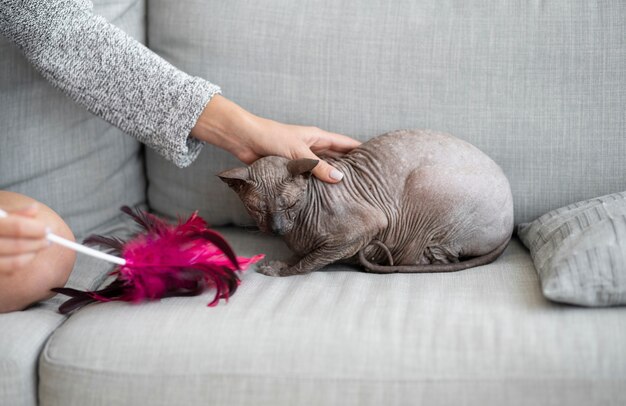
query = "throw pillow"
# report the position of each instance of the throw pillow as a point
(579, 251)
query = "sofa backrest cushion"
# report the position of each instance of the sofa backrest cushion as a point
(538, 86)
(57, 152)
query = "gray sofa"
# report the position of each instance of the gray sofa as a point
(538, 86)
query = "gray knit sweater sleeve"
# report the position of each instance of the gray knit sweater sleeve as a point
(108, 72)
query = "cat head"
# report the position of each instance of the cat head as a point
(272, 189)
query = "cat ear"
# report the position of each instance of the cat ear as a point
(235, 178)
(302, 166)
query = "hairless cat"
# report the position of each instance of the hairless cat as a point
(410, 201)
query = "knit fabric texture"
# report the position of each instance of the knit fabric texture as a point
(111, 74)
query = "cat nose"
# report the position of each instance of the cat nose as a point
(278, 225)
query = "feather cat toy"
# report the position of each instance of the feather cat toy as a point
(164, 260)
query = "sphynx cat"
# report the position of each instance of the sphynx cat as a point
(410, 201)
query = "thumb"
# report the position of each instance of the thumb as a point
(323, 170)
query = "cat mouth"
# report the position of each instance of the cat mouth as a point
(279, 225)
(279, 231)
(268, 230)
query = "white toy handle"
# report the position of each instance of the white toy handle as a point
(78, 247)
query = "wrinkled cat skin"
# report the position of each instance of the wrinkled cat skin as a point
(431, 199)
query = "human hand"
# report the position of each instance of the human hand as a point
(22, 236)
(248, 137)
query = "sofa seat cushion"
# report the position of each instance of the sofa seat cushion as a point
(484, 336)
(22, 336)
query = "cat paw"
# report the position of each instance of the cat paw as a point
(273, 268)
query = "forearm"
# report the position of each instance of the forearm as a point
(111, 74)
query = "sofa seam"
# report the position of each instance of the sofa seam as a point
(72, 368)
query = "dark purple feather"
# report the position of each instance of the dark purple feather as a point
(166, 260)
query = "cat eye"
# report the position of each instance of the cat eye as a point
(283, 204)
(261, 208)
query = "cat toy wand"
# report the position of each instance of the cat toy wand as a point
(78, 247)
(163, 260)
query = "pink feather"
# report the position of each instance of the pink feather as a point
(166, 260)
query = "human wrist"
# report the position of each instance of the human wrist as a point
(221, 120)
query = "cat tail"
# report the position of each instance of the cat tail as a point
(429, 268)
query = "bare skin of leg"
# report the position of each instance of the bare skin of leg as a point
(50, 268)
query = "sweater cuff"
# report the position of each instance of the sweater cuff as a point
(185, 148)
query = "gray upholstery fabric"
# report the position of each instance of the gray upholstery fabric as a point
(22, 336)
(55, 151)
(485, 336)
(538, 86)
(580, 251)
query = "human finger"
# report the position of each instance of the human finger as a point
(28, 211)
(16, 246)
(248, 157)
(15, 226)
(339, 142)
(331, 154)
(323, 170)
(15, 262)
